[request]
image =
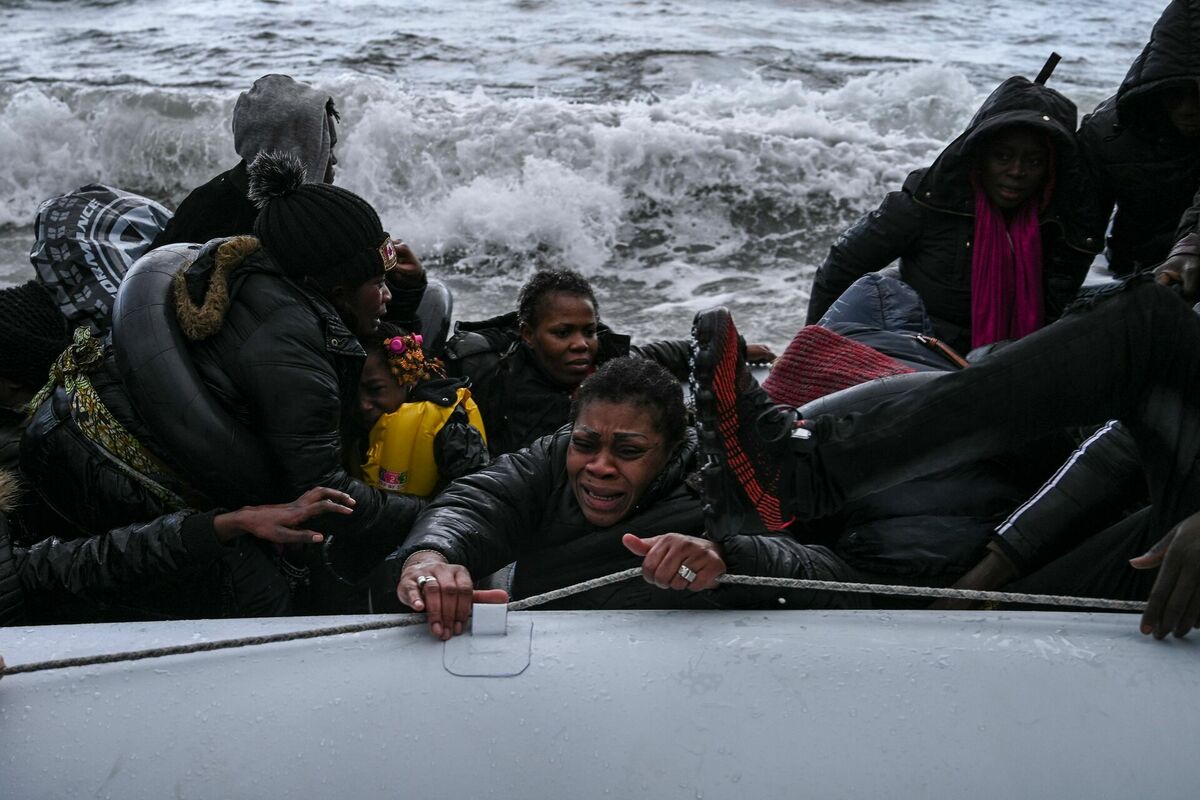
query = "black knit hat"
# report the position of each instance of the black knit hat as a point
(315, 230)
(33, 332)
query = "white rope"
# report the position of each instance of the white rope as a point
(852, 588)
(578, 588)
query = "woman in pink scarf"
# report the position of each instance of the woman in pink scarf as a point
(996, 236)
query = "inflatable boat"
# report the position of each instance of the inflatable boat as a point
(665, 704)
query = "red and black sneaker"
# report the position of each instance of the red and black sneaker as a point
(745, 438)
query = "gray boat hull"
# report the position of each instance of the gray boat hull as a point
(610, 705)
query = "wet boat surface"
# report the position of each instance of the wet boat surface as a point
(613, 704)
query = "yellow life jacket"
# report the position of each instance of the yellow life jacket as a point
(400, 451)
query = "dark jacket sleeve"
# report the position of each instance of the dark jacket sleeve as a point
(781, 556)
(1066, 273)
(1101, 478)
(293, 393)
(96, 566)
(673, 354)
(458, 448)
(1190, 221)
(12, 605)
(1091, 139)
(875, 241)
(488, 518)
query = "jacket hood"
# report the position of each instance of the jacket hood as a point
(1017, 101)
(279, 113)
(440, 391)
(202, 290)
(1170, 58)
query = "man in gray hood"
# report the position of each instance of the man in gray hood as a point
(278, 113)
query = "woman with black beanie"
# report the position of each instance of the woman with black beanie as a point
(271, 323)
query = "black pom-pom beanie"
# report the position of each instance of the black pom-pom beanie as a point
(315, 230)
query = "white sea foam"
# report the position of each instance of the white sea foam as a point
(679, 154)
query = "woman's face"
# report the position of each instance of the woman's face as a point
(564, 338)
(379, 392)
(366, 304)
(1015, 166)
(614, 455)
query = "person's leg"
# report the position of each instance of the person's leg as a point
(1099, 567)
(1135, 356)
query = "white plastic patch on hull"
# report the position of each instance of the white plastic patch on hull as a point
(668, 704)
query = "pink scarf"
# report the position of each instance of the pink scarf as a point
(1006, 273)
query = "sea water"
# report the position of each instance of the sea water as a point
(680, 154)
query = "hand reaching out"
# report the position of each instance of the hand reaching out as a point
(281, 523)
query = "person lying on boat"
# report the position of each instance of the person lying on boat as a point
(422, 428)
(271, 326)
(992, 235)
(874, 342)
(1142, 146)
(1133, 356)
(279, 114)
(608, 492)
(184, 564)
(524, 366)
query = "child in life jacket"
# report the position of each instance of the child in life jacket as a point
(425, 429)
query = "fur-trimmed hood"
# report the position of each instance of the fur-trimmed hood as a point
(10, 490)
(203, 289)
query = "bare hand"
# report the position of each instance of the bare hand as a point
(280, 523)
(759, 354)
(992, 572)
(1174, 603)
(408, 272)
(1182, 267)
(663, 556)
(447, 598)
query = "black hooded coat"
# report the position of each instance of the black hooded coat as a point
(1138, 159)
(930, 223)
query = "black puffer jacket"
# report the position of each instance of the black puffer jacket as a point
(930, 223)
(1140, 162)
(521, 508)
(282, 368)
(519, 402)
(280, 359)
(46, 580)
(129, 568)
(215, 210)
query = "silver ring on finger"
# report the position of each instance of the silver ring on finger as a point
(686, 573)
(424, 579)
